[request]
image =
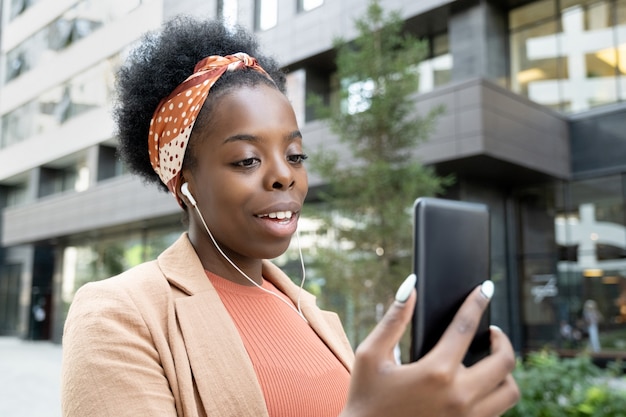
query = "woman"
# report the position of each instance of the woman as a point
(211, 328)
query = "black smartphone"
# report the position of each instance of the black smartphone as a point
(450, 258)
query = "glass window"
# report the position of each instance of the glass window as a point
(436, 70)
(17, 125)
(598, 16)
(115, 9)
(17, 7)
(536, 64)
(157, 240)
(306, 5)
(566, 4)
(86, 261)
(109, 165)
(79, 22)
(75, 24)
(266, 14)
(10, 275)
(588, 43)
(441, 44)
(572, 256)
(592, 225)
(620, 35)
(532, 13)
(15, 194)
(93, 261)
(227, 10)
(571, 61)
(57, 180)
(89, 90)
(16, 64)
(296, 92)
(26, 55)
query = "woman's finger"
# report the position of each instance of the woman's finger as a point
(457, 338)
(493, 369)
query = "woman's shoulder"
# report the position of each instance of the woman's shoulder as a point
(146, 274)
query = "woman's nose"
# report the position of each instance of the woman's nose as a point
(280, 175)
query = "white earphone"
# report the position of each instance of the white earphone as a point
(184, 189)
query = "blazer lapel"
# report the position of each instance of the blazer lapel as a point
(222, 369)
(226, 380)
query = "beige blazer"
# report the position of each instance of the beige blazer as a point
(157, 341)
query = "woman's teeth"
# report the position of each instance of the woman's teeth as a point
(280, 215)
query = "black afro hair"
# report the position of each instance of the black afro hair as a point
(162, 60)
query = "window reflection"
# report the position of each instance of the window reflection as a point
(569, 61)
(531, 14)
(15, 194)
(572, 253)
(77, 23)
(436, 70)
(306, 5)
(227, 10)
(89, 90)
(266, 14)
(86, 261)
(56, 180)
(620, 18)
(17, 7)
(592, 230)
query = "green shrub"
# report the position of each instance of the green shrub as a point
(571, 387)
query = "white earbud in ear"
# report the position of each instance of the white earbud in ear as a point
(185, 190)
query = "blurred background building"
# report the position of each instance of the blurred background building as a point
(534, 126)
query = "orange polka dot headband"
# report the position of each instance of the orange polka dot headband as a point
(176, 114)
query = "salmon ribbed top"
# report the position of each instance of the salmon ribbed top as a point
(298, 373)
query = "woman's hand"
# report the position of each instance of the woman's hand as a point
(438, 385)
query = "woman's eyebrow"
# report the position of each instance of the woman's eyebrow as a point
(296, 134)
(241, 136)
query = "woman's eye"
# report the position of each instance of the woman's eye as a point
(297, 158)
(246, 163)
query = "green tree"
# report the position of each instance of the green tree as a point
(373, 182)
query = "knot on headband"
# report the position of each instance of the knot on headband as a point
(176, 114)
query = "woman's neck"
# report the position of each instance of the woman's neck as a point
(216, 262)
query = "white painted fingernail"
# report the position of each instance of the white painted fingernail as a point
(405, 289)
(487, 289)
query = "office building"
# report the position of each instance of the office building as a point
(534, 125)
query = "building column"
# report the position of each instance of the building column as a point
(479, 41)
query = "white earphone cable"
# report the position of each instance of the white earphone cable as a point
(298, 310)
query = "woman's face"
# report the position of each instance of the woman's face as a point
(249, 181)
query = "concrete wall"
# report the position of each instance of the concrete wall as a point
(116, 202)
